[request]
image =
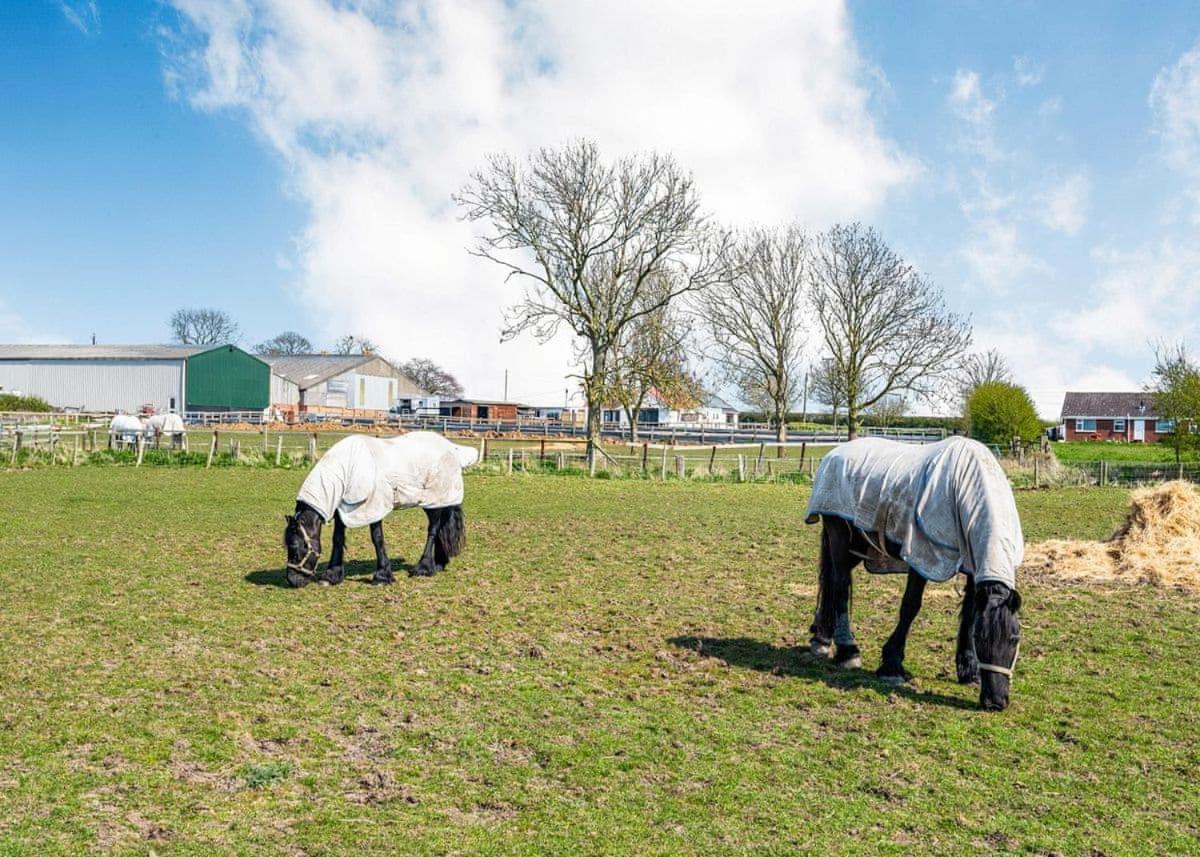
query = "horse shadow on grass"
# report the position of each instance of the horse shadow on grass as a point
(360, 571)
(797, 662)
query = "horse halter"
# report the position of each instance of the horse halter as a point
(1004, 671)
(298, 567)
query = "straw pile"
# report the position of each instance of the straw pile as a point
(1159, 544)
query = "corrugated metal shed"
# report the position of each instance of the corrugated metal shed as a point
(98, 377)
(226, 378)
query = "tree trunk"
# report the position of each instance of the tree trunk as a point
(781, 422)
(631, 415)
(851, 420)
(595, 402)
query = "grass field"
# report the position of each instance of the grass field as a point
(1080, 451)
(162, 692)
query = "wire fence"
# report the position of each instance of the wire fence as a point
(80, 442)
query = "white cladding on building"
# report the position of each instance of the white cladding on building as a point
(99, 377)
(713, 412)
(336, 382)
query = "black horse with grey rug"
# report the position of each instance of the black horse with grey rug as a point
(930, 512)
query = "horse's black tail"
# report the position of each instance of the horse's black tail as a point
(451, 535)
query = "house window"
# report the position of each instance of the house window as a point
(649, 416)
(1085, 425)
(1119, 425)
(1164, 426)
(612, 416)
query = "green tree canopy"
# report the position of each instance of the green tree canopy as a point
(998, 411)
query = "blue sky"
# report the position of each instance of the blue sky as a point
(291, 162)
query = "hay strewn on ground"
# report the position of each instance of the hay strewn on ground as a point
(1159, 543)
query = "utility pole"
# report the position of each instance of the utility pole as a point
(506, 385)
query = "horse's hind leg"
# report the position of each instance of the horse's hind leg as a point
(892, 668)
(383, 565)
(426, 566)
(965, 662)
(832, 622)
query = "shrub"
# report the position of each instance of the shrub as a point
(997, 411)
(10, 402)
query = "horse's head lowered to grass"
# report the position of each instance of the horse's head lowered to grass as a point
(302, 539)
(997, 636)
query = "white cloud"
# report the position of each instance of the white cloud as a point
(379, 110)
(1050, 107)
(83, 15)
(1027, 72)
(1175, 101)
(1065, 204)
(968, 100)
(995, 257)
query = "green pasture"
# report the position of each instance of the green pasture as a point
(1073, 452)
(612, 667)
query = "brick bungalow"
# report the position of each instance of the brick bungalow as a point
(1113, 416)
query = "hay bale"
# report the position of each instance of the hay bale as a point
(1159, 544)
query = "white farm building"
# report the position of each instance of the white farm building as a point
(711, 412)
(337, 384)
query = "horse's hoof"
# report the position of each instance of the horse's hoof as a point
(854, 662)
(820, 650)
(895, 680)
(421, 572)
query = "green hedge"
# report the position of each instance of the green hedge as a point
(9, 402)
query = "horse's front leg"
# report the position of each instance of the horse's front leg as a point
(383, 565)
(427, 565)
(965, 662)
(892, 668)
(336, 572)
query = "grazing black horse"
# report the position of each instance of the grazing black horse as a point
(446, 537)
(930, 512)
(358, 482)
(988, 627)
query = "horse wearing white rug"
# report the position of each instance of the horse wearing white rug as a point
(165, 424)
(359, 482)
(124, 429)
(930, 512)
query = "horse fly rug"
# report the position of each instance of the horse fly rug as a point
(363, 478)
(948, 505)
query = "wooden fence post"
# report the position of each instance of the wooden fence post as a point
(1036, 474)
(141, 448)
(542, 450)
(592, 463)
(803, 449)
(75, 455)
(510, 459)
(741, 468)
(312, 447)
(712, 459)
(645, 455)
(278, 450)
(664, 463)
(212, 450)
(680, 467)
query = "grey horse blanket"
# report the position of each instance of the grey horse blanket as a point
(365, 478)
(948, 505)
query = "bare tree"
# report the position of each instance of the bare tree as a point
(288, 342)
(590, 241)
(354, 345)
(827, 386)
(755, 317)
(432, 378)
(888, 409)
(884, 325)
(651, 359)
(983, 367)
(203, 327)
